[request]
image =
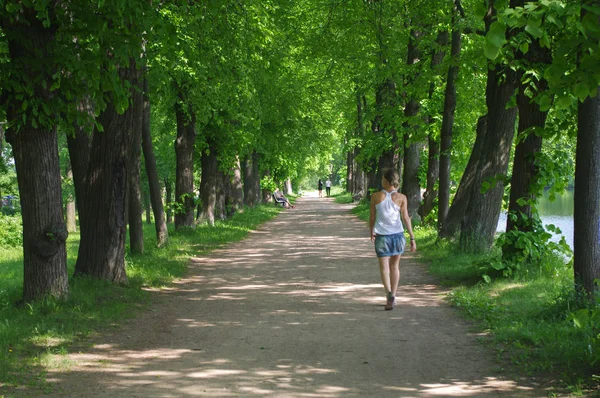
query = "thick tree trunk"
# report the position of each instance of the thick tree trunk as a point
(134, 202)
(587, 197)
(433, 153)
(251, 180)
(586, 253)
(525, 171)
(70, 213)
(35, 152)
(79, 144)
(523, 185)
(160, 224)
(446, 131)
(184, 173)
(221, 195)
(350, 171)
(103, 223)
(461, 200)
(479, 223)
(237, 188)
(411, 186)
(287, 188)
(208, 183)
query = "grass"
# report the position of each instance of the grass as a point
(38, 335)
(526, 317)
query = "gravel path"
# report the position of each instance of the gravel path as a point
(294, 310)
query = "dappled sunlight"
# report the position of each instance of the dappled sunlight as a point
(294, 310)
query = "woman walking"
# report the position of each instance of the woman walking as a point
(389, 209)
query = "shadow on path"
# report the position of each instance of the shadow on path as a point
(294, 310)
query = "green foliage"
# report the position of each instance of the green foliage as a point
(587, 320)
(10, 230)
(527, 250)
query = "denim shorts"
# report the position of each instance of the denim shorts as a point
(389, 245)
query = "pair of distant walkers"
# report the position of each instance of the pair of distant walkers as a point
(327, 187)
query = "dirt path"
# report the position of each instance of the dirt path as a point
(295, 310)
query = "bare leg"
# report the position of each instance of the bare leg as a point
(394, 265)
(384, 270)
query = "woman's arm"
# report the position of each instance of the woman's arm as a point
(372, 217)
(407, 222)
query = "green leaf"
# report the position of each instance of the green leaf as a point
(534, 31)
(496, 34)
(524, 47)
(581, 91)
(491, 51)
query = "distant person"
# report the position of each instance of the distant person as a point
(320, 187)
(389, 209)
(286, 202)
(328, 187)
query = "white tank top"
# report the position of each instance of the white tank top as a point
(387, 217)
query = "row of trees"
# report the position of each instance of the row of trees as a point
(523, 74)
(224, 99)
(214, 96)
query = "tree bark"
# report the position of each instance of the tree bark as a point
(135, 207)
(479, 223)
(447, 127)
(208, 183)
(237, 187)
(411, 186)
(288, 186)
(461, 200)
(184, 174)
(433, 153)
(147, 207)
(587, 197)
(531, 119)
(586, 244)
(103, 223)
(221, 194)
(160, 224)
(251, 180)
(35, 152)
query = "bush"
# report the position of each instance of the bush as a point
(10, 231)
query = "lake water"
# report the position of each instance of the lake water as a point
(558, 212)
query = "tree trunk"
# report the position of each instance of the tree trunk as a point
(70, 212)
(433, 152)
(251, 180)
(184, 173)
(237, 188)
(208, 183)
(288, 187)
(79, 144)
(103, 224)
(587, 197)
(479, 223)
(411, 186)
(134, 202)
(523, 185)
(586, 244)
(35, 152)
(447, 127)
(147, 207)
(160, 224)
(350, 171)
(169, 199)
(461, 200)
(221, 194)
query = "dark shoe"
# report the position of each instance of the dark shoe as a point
(391, 302)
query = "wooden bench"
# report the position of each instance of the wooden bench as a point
(278, 201)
